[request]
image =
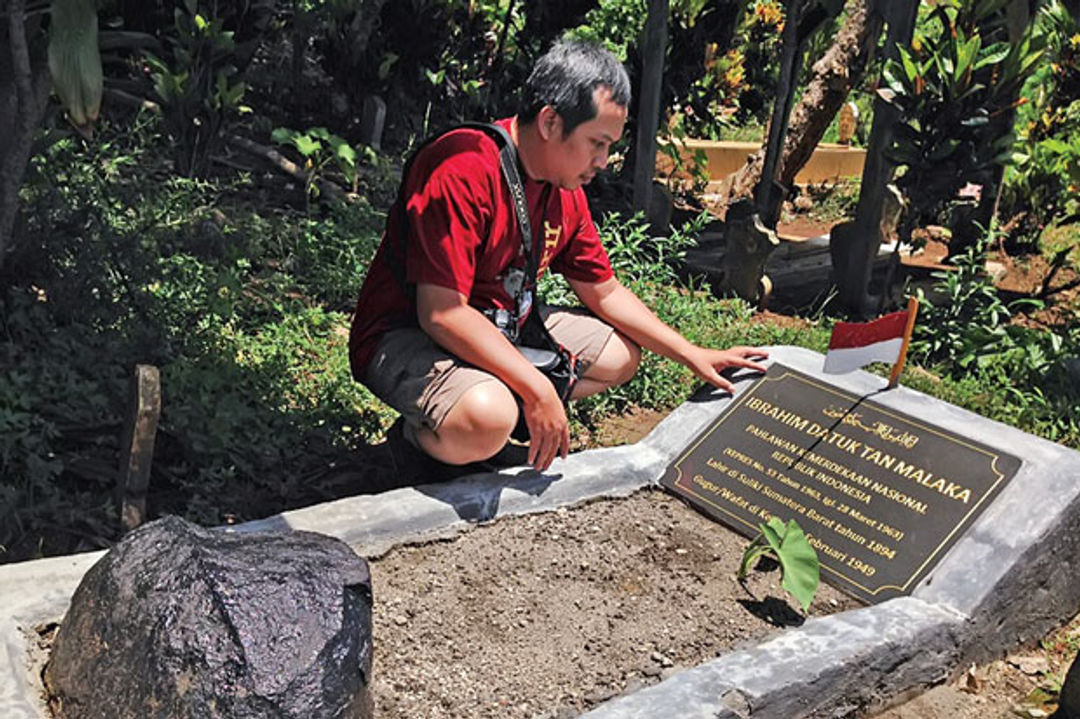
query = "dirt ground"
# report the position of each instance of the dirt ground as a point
(548, 615)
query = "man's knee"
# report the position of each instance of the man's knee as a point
(488, 408)
(618, 361)
(478, 425)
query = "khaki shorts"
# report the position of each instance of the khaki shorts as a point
(423, 381)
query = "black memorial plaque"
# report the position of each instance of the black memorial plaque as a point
(881, 495)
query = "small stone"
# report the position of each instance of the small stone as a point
(670, 672)
(600, 695)
(680, 550)
(1031, 665)
(400, 620)
(996, 270)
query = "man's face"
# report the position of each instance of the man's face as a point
(577, 157)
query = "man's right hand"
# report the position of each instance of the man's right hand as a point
(549, 429)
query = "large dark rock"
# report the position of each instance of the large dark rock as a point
(183, 622)
(1069, 701)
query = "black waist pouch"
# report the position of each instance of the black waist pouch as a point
(557, 363)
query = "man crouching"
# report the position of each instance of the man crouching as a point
(452, 256)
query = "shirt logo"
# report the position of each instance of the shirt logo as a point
(551, 240)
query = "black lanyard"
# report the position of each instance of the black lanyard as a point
(524, 293)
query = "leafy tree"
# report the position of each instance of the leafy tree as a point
(959, 74)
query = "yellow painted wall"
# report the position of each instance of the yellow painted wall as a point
(828, 163)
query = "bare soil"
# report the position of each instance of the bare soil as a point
(548, 615)
(1020, 276)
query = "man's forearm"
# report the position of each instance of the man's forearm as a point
(622, 309)
(617, 305)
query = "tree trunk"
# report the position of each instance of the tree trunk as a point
(24, 87)
(838, 70)
(653, 46)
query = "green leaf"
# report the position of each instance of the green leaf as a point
(906, 62)
(773, 532)
(966, 54)
(801, 573)
(799, 562)
(993, 54)
(307, 145)
(1055, 145)
(754, 551)
(344, 153)
(282, 136)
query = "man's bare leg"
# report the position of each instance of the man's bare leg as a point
(616, 365)
(476, 427)
(480, 423)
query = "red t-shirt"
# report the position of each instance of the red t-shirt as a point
(462, 234)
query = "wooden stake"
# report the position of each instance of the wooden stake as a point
(137, 444)
(912, 310)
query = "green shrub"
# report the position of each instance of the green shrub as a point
(998, 368)
(238, 309)
(1043, 184)
(198, 87)
(951, 87)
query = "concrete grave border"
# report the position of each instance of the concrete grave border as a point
(1009, 580)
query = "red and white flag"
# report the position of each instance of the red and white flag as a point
(856, 344)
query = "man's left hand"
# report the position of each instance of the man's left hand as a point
(708, 363)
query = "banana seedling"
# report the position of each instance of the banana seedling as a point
(800, 572)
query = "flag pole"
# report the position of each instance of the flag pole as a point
(912, 310)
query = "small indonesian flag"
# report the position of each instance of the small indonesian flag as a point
(856, 344)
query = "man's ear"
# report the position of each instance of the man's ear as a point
(549, 123)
